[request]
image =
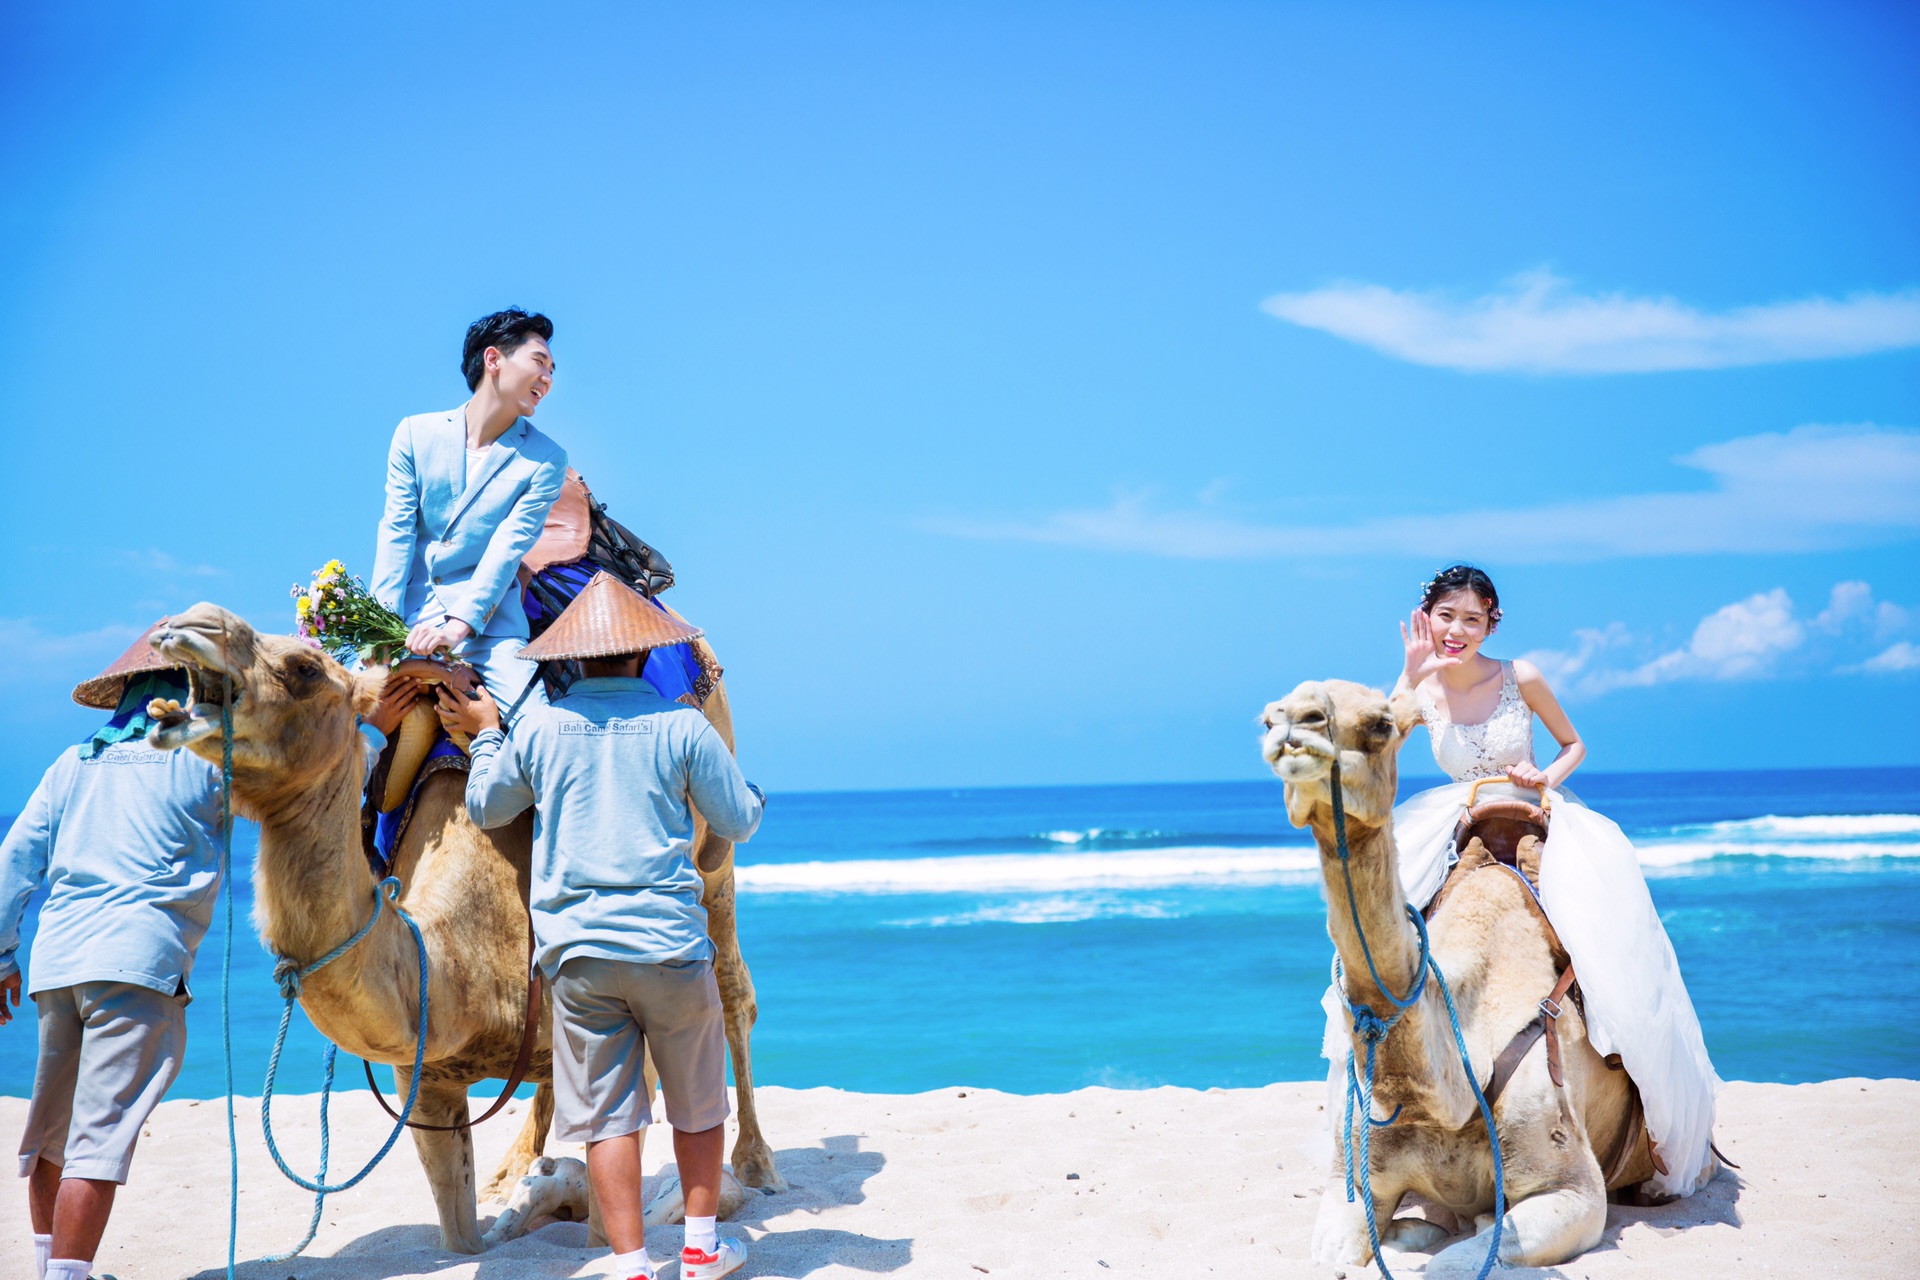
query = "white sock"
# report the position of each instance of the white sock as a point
(42, 1250)
(67, 1269)
(625, 1266)
(702, 1234)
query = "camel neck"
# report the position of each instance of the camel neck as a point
(312, 885)
(1381, 905)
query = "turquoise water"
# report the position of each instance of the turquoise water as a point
(1041, 939)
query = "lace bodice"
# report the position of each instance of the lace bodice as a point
(1487, 749)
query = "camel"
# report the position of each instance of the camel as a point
(297, 770)
(1500, 957)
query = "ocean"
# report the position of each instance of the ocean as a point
(1047, 938)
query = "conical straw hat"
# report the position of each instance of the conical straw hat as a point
(607, 619)
(104, 690)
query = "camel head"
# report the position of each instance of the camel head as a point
(1321, 717)
(293, 706)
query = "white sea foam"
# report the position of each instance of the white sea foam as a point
(1034, 872)
(1674, 853)
(1049, 910)
(1837, 837)
(1815, 827)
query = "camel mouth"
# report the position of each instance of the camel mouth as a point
(208, 688)
(1295, 753)
(183, 727)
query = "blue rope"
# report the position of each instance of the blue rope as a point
(1493, 1137)
(1372, 1029)
(226, 962)
(289, 976)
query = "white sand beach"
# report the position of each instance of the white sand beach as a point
(969, 1182)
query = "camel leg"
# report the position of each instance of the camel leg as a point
(752, 1157)
(1340, 1229)
(1544, 1228)
(448, 1160)
(1412, 1235)
(525, 1149)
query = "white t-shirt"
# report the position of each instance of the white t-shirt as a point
(476, 459)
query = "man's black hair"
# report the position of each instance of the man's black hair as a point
(503, 329)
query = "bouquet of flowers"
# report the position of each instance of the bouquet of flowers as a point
(338, 614)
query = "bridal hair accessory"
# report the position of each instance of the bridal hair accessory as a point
(1462, 577)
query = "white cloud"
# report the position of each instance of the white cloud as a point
(27, 644)
(1812, 488)
(1561, 667)
(1849, 601)
(1749, 639)
(1904, 656)
(1537, 324)
(1734, 642)
(154, 560)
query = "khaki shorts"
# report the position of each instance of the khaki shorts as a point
(603, 1013)
(108, 1052)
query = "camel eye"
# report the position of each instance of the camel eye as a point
(303, 676)
(1380, 728)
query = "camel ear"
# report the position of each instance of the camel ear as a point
(1405, 709)
(366, 689)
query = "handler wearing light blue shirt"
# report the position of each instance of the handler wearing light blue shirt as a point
(127, 840)
(613, 765)
(615, 771)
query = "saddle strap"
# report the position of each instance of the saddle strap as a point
(1631, 1136)
(1545, 1023)
(524, 1059)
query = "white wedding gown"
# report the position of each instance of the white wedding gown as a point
(1591, 885)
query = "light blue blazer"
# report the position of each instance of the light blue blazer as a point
(447, 548)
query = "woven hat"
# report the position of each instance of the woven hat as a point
(104, 690)
(606, 620)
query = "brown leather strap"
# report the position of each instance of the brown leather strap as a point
(1545, 1023)
(528, 1036)
(1550, 1010)
(1509, 1060)
(1631, 1136)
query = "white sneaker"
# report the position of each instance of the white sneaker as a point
(698, 1264)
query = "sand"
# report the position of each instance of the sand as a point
(965, 1183)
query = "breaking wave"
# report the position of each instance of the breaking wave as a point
(1035, 872)
(1076, 859)
(1835, 837)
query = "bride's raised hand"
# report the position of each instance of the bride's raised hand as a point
(1423, 659)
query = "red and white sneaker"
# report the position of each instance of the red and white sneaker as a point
(698, 1264)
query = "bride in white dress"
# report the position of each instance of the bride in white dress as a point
(1479, 713)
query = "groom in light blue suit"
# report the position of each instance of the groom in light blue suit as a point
(468, 492)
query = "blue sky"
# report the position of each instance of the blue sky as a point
(1024, 394)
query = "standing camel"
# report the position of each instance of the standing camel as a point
(1563, 1146)
(297, 770)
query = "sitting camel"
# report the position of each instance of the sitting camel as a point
(297, 770)
(1564, 1146)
